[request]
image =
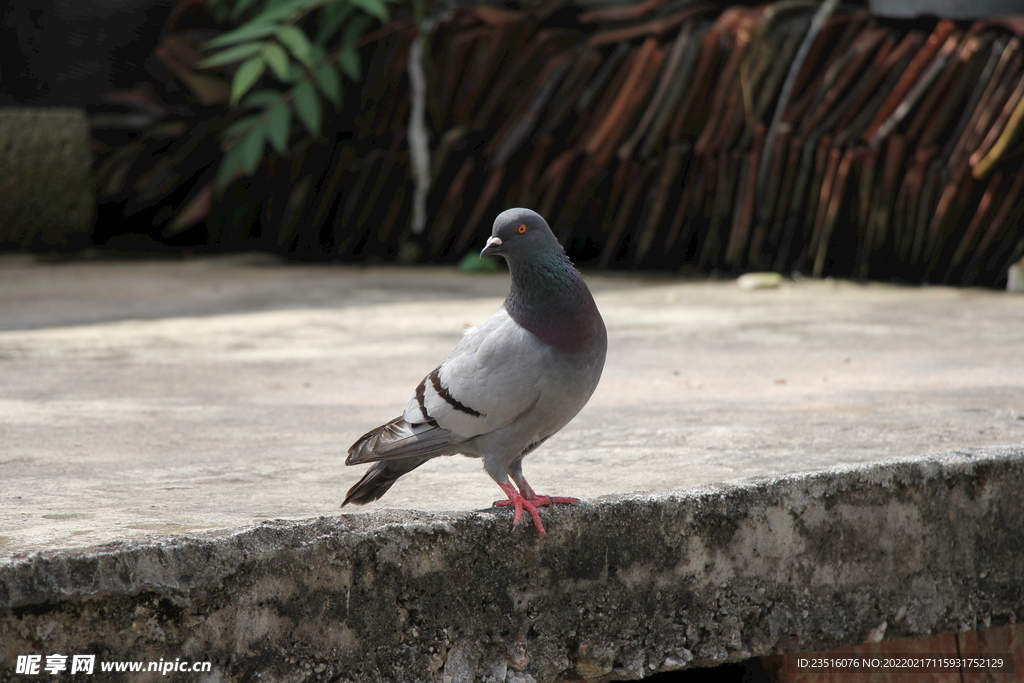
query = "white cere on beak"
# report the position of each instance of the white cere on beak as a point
(492, 243)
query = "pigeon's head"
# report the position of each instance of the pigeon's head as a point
(520, 233)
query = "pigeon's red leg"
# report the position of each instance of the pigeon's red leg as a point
(520, 503)
(526, 499)
(528, 494)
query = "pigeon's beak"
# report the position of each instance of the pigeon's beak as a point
(492, 247)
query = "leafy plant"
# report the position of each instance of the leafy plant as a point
(291, 56)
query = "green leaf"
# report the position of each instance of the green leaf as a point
(307, 106)
(233, 54)
(246, 77)
(374, 8)
(349, 62)
(296, 72)
(355, 29)
(285, 10)
(275, 56)
(252, 149)
(220, 12)
(240, 127)
(229, 165)
(472, 263)
(261, 98)
(297, 42)
(249, 31)
(330, 85)
(240, 7)
(331, 19)
(279, 120)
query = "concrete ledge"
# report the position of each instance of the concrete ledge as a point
(622, 587)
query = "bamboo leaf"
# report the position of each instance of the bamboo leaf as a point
(472, 263)
(374, 8)
(295, 72)
(261, 98)
(252, 149)
(220, 10)
(246, 77)
(307, 107)
(329, 83)
(230, 166)
(275, 56)
(196, 210)
(279, 119)
(240, 127)
(285, 10)
(349, 62)
(355, 29)
(331, 19)
(297, 42)
(233, 54)
(265, 23)
(241, 34)
(240, 7)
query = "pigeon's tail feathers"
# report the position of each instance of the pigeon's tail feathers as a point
(400, 439)
(379, 478)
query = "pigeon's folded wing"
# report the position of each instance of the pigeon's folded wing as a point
(400, 439)
(492, 377)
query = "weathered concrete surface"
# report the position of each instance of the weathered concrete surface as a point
(203, 397)
(622, 587)
(238, 399)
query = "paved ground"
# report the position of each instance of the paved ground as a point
(162, 397)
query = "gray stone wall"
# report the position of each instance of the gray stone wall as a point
(619, 589)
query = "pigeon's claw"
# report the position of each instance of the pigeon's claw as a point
(530, 495)
(519, 504)
(529, 501)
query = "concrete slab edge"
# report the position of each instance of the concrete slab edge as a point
(622, 586)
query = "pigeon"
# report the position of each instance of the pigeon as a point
(509, 385)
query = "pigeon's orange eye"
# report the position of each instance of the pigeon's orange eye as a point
(522, 229)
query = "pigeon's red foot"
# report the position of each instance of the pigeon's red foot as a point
(529, 501)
